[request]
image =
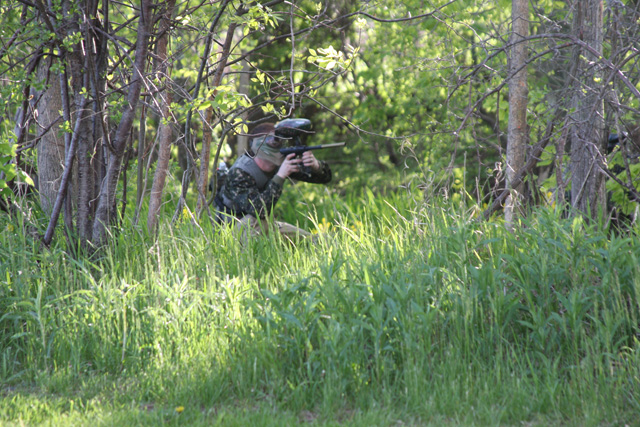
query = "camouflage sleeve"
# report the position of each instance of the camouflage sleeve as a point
(322, 176)
(242, 196)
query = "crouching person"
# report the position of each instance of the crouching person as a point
(254, 184)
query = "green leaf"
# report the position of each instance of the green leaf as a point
(204, 105)
(25, 177)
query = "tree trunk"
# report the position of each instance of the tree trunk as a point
(51, 145)
(205, 155)
(86, 145)
(73, 80)
(91, 73)
(86, 179)
(142, 146)
(61, 196)
(587, 129)
(164, 131)
(517, 134)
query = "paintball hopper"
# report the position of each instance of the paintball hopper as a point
(293, 129)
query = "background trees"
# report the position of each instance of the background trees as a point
(95, 91)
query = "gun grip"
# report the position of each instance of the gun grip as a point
(304, 169)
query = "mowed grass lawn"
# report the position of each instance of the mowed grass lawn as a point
(385, 318)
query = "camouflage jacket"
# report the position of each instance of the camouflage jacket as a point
(241, 194)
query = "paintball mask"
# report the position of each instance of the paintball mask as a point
(267, 147)
(288, 132)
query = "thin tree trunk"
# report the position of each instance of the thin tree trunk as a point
(587, 131)
(109, 184)
(518, 100)
(205, 155)
(142, 145)
(164, 131)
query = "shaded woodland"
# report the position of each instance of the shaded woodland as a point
(119, 110)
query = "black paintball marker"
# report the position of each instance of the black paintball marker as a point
(293, 130)
(302, 148)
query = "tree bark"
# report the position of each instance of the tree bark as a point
(517, 134)
(142, 146)
(165, 133)
(83, 69)
(91, 72)
(68, 168)
(587, 129)
(51, 145)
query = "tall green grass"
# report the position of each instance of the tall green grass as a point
(390, 314)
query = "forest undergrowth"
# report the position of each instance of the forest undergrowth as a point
(390, 315)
